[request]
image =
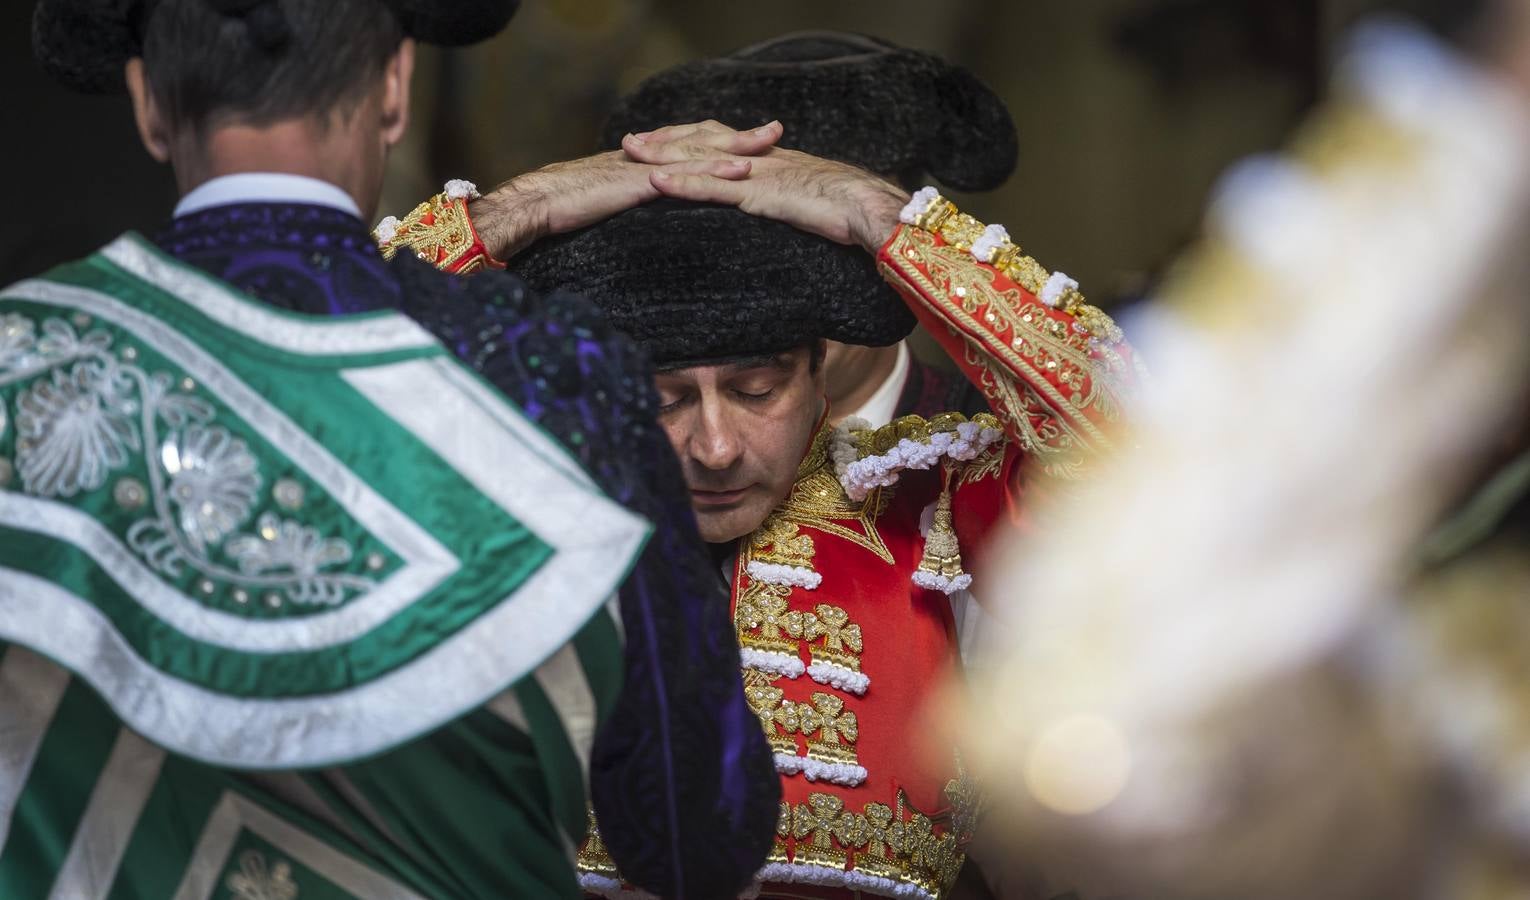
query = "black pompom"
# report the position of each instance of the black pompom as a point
(900, 113)
(453, 23)
(84, 44)
(268, 28)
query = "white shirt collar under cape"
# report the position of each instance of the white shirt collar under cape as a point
(265, 187)
(881, 406)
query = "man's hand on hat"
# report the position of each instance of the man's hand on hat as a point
(569, 195)
(830, 199)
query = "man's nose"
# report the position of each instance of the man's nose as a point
(715, 443)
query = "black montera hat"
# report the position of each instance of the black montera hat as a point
(696, 283)
(902, 114)
(85, 43)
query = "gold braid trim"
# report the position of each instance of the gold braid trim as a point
(441, 233)
(1054, 385)
(961, 231)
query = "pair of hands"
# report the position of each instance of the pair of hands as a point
(706, 162)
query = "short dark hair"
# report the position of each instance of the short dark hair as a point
(267, 61)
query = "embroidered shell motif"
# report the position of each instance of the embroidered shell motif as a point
(84, 413)
(214, 480)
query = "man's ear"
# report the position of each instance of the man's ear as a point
(397, 76)
(153, 130)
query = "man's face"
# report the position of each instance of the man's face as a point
(740, 430)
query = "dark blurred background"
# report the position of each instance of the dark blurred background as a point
(1127, 111)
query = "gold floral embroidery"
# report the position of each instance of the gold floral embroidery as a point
(762, 615)
(928, 857)
(835, 729)
(989, 464)
(777, 715)
(872, 835)
(830, 729)
(438, 231)
(818, 501)
(781, 542)
(841, 639)
(779, 852)
(765, 620)
(1039, 374)
(1047, 437)
(815, 822)
(898, 844)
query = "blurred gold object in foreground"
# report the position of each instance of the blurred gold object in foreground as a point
(1239, 686)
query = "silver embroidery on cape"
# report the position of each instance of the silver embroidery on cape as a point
(214, 480)
(89, 414)
(286, 545)
(259, 880)
(18, 337)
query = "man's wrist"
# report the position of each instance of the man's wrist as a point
(510, 218)
(879, 211)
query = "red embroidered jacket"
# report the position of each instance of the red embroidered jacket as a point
(841, 597)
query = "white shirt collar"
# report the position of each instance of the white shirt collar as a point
(265, 187)
(880, 407)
